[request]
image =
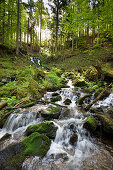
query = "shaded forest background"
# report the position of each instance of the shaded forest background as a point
(71, 23)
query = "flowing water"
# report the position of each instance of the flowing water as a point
(84, 154)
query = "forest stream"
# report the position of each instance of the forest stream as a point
(84, 153)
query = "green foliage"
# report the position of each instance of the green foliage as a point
(11, 101)
(53, 78)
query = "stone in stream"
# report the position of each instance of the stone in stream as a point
(47, 128)
(73, 139)
(14, 155)
(5, 137)
(67, 102)
(55, 94)
(106, 125)
(57, 98)
(90, 124)
(51, 112)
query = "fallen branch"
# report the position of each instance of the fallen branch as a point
(3, 104)
(97, 98)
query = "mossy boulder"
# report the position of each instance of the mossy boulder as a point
(8, 154)
(80, 83)
(81, 99)
(90, 124)
(55, 94)
(91, 74)
(36, 144)
(107, 124)
(47, 128)
(51, 112)
(14, 155)
(57, 98)
(70, 75)
(67, 102)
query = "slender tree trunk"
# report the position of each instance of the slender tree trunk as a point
(72, 41)
(57, 13)
(28, 33)
(3, 23)
(17, 37)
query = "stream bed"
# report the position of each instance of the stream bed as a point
(87, 153)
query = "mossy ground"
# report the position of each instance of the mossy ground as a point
(80, 59)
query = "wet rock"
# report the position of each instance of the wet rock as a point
(6, 136)
(72, 127)
(67, 102)
(62, 156)
(55, 94)
(107, 124)
(65, 113)
(80, 83)
(47, 128)
(57, 98)
(73, 139)
(14, 155)
(51, 113)
(7, 155)
(81, 99)
(96, 110)
(90, 124)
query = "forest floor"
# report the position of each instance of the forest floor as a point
(80, 60)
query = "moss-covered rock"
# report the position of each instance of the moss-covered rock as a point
(70, 75)
(67, 102)
(81, 99)
(90, 124)
(80, 83)
(91, 74)
(14, 155)
(107, 124)
(36, 144)
(57, 98)
(47, 128)
(51, 113)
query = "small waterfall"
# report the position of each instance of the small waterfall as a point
(36, 61)
(108, 102)
(18, 122)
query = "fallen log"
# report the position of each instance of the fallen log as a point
(3, 104)
(97, 98)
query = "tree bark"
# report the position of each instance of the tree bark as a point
(17, 36)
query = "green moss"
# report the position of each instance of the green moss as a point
(51, 112)
(90, 124)
(57, 98)
(34, 88)
(46, 128)
(36, 144)
(17, 160)
(107, 124)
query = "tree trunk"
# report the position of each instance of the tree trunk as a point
(17, 36)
